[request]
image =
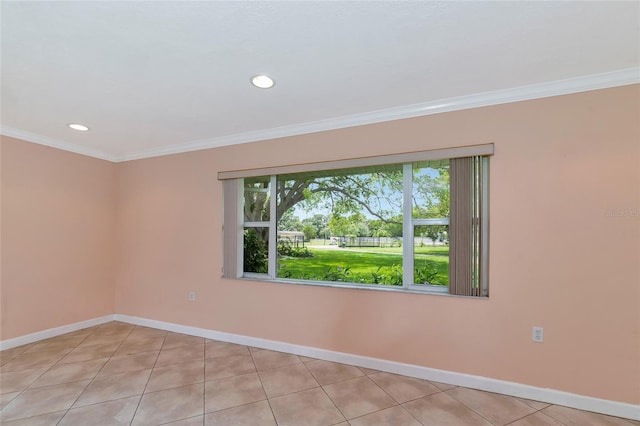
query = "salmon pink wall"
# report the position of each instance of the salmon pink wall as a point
(58, 230)
(560, 257)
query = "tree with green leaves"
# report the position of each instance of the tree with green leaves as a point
(309, 232)
(319, 222)
(289, 222)
(371, 198)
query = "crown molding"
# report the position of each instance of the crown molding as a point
(516, 94)
(55, 143)
(536, 91)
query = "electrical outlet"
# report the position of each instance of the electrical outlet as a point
(538, 334)
(192, 296)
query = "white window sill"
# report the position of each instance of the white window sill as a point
(414, 289)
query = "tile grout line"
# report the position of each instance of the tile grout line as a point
(43, 373)
(398, 404)
(469, 408)
(95, 330)
(179, 420)
(92, 333)
(325, 392)
(535, 412)
(531, 414)
(30, 346)
(150, 373)
(410, 413)
(244, 404)
(393, 406)
(335, 405)
(262, 385)
(94, 377)
(340, 380)
(97, 373)
(386, 393)
(9, 402)
(401, 404)
(365, 375)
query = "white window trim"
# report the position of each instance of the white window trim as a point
(273, 230)
(409, 222)
(484, 250)
(407, 226)
(381, 160)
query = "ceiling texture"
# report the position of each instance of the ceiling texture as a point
(152, 78)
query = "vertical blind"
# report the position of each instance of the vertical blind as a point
(466, 230)
(231, 228)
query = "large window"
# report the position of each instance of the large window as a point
(414, 221)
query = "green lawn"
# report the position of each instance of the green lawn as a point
(366, 265)
(427, 250)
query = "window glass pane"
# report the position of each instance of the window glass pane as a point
(256, 250)
(430, 192)
(256, 199)
(431, 254)
(347, 225)
(344, 226)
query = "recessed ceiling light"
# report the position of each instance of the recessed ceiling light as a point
(262, 81)
(80, 127)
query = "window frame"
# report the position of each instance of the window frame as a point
(409, 223)
(408, 235)
(271, 225)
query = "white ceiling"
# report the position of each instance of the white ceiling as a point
(157, 77)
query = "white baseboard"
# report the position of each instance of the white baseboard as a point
(52, 332)
(551, 396)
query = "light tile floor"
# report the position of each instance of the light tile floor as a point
(120, 374)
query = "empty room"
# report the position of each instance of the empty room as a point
(320, 213)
